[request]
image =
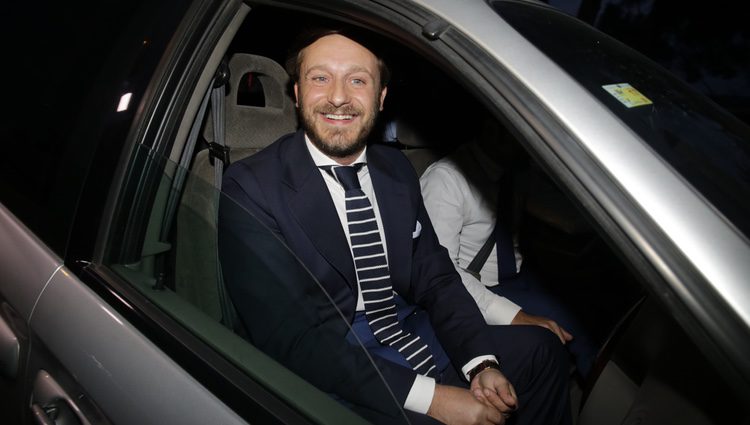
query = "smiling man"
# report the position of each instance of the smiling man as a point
(339, 97)
(354, 216)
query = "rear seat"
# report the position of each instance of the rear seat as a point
(248, 129)
(414, 141)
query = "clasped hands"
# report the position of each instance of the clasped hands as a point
(490, 399)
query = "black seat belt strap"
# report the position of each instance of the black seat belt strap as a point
(484, 252)
(219, 150)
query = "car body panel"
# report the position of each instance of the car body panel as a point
(129, 378)
(713, 247)
(93, 343)
(26, 263)
(688, 221)
(128, 359)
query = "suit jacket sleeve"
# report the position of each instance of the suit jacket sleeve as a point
(288, 316)
(436, 286)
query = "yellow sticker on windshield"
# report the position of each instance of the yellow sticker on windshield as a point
(627, 95)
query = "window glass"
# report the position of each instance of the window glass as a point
(78, 71)
(705, 144)
(261, 309)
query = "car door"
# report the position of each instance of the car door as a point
(19, 289)
(85, 64)
(93, 333)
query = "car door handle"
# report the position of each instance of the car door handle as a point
(40, 416)
(10, 350)
(51, 405)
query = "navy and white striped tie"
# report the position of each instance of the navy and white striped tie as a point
(374, 276)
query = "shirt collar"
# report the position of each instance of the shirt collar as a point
(320, 159)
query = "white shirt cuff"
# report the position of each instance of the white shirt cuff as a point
(495, 309)
(475, 361)
(500, 311)
(420, 395)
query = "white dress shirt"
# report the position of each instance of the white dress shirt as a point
(460, 194)
(422, 390)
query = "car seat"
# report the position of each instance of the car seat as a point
(247, 130)
(415, 140)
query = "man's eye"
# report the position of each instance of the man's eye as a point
(319, 79)
(358, 82)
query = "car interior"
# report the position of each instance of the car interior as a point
(242, 103)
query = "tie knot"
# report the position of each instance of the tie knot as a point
(346, 175)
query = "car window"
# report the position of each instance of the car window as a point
(77, 63)
(285, 316)
(708, 146)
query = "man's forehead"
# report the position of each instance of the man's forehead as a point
(338, 49)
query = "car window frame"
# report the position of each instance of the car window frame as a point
(620, 220)
(547, 140)
(158, 123)
(154, 126)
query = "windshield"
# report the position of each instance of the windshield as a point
(708, 146)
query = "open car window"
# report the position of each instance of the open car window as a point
(269, 318)
(258, 307)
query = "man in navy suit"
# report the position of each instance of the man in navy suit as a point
(296, 188)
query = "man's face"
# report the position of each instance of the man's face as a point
(338, 95)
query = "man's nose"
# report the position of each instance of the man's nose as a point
(339, 94)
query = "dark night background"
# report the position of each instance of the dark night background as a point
(706, 44)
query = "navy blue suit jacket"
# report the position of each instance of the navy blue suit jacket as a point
(282, 188)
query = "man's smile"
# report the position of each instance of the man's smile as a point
(339, 117)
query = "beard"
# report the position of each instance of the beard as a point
(335, 142)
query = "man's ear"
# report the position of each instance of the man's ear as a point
(296, 97)
(382, 97)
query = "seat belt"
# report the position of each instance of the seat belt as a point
(506, 252)
(218, 150)
(220, 78)
(501, 234)
(484, 252)
(181, 175)
(182, 168)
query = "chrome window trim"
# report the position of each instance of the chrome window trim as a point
(724, 263)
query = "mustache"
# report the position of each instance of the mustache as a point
(344, 110)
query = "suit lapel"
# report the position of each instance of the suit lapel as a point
(398, 219)
(311, 205)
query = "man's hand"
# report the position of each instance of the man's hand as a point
(457, 406)
(528, 319)
(491, 387)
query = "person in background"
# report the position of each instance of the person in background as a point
(472, 197)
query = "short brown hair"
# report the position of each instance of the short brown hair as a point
(310, 36)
